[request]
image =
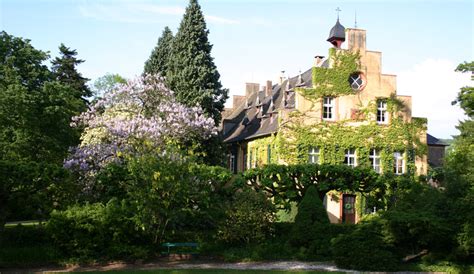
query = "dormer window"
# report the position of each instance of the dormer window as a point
(300, 82)
(288, 86)
(257, 101)
(248, 104)
(328, 108)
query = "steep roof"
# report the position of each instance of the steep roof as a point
(433, 141)
(249, 120)
(337, 32)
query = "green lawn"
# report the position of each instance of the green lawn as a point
(23, 223)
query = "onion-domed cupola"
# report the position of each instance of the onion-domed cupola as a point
(337, 35)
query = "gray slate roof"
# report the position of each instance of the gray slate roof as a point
(433, 141)
(249, 120)
(337, 32)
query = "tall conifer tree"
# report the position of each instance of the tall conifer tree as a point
(64, 70)
(192, 74)
(159, 58)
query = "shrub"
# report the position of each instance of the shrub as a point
(249, 219)
(365, 248)
(415, 223)
(311, 219)
(24, 236)
(96, 231)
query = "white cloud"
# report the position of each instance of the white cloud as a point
(222, 20)
(129, 12)
(433, 85)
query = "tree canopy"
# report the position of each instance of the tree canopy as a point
(35, 109)
(192, 74)
(140, 117)
(157, 63)
(64, 70)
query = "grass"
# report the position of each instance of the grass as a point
(23, 223)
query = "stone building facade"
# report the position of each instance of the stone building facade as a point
(343, 110)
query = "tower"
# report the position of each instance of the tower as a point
(337, 35)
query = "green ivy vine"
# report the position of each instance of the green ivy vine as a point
(333, 81)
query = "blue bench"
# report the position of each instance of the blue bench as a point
(178, 245)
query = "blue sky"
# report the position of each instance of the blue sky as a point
(421, 41)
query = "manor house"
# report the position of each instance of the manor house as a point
(343, 110)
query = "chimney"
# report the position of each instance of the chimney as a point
(269, 88)
(356, 39)
(318, 60)
(251, 88)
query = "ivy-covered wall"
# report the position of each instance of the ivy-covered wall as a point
(352, 126)
(296, 136)
(262, 151)
(333, 81)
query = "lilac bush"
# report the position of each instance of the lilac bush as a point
(141, 116)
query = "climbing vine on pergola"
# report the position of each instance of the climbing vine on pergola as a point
(285, 184)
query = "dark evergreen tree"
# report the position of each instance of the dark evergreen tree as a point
(192, 74)
(159, 58)
(309, 220)
(64, 70)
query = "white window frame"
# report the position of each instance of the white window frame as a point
(328, 108)
(398, 162)
(313, 155)
(374, 157)
(350, 154)
(381, 111)
(232, 162)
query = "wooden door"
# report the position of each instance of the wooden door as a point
(348, 208)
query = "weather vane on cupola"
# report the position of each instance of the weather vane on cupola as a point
(338, 10)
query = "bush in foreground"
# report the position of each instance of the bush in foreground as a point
(96, 231)
(249, 218)
(365, 248)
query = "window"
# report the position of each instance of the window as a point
(357, 81)
(328, 108)
(232, 163)
(381, 111)
(245, 163)
(250, 159)
(350, 157)
(313, 155)
(398, 163)
(256, 162)
(269, 154)
(374, 157)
